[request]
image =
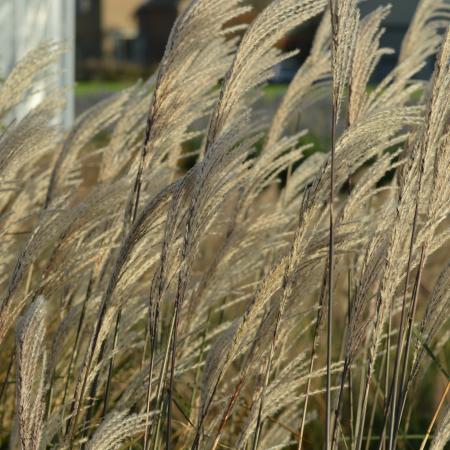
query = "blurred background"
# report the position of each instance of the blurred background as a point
(112, 43)
(125, 37)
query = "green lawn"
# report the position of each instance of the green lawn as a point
(275, 90)
(99, 86)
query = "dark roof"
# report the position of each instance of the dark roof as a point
(159, 3)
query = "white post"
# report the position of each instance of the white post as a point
(26, 24)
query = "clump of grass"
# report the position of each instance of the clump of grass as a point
(149, 306)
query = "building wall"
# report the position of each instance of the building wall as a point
(119, 15)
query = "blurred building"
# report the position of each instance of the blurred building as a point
(88, 34)
(133, 33)
(116, 37)
(106, 31)
(155, 19)
(120, 28)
